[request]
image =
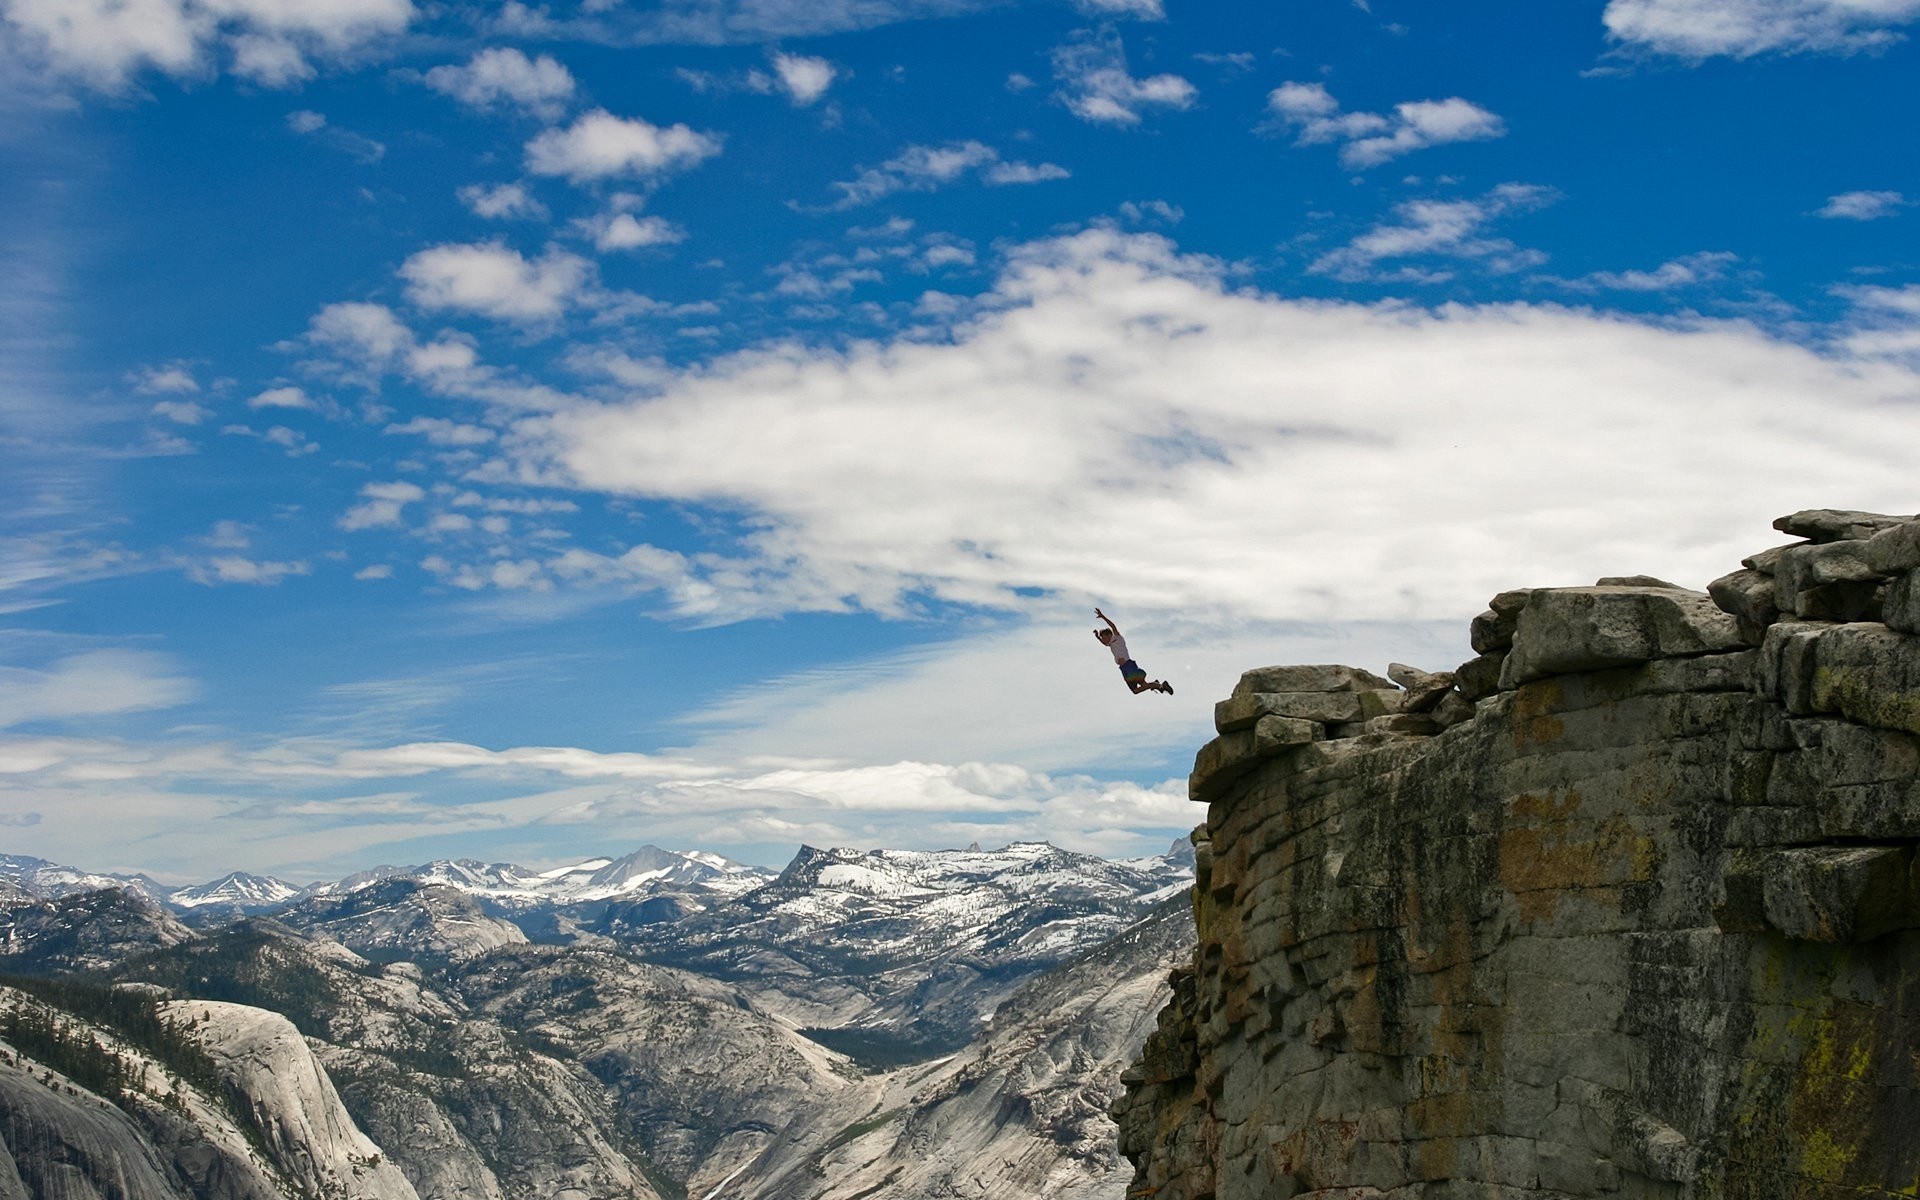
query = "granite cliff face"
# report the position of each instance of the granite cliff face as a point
(1626, 905)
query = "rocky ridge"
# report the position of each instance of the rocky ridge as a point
(1626, 905)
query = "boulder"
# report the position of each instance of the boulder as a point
(1804, 567)
(1894, 550)
(1838, 893)
(1322, 678)
(1836, 524)
(1425, 689)
(1901, 606)
(1768, 561)
(1749, 597)
(1479, 677)
(1239, 711)
(1492, 631)
(1633, 581)
(1563, 630)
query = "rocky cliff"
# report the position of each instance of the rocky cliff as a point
(1626, 905)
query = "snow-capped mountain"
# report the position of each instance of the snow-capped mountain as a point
(907, 951)
(51, 881)
(646, 871)
(236, 890)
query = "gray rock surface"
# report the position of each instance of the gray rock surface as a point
(1644, 924)
(1564, 630)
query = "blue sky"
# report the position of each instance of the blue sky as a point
(529, 431)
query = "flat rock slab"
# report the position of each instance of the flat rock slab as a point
(1317, 678)
(1836, 524)
(1563, 630)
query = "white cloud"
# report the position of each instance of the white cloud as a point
(369, 333)
(1687, 271)
(1144, 10)
(502, 201)
(1370, 138)
(600, 145)
(1096, 86)
(1885, 323)
(1001, 174)
(376, 571)
(1700, 29)
(232, 568)
(308, 123)
(442, 432)
(282, 397)
(173, 378)
(106, 43)
(1446, 228)
(181, 412)
(802, 78)
(97, 683)
(624, 231)
(924, 168)
(1117, 423)
(541, 86)
(1862, 206)
(382, 506)
(496, 281)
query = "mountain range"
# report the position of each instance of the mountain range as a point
(884, 1024)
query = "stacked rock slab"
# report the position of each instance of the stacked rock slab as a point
(1632, 909)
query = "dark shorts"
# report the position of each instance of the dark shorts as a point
(1132, 672)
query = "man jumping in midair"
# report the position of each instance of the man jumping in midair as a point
(1129, 670)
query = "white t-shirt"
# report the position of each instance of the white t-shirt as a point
(1119, 647)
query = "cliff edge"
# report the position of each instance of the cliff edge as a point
(1627, 905)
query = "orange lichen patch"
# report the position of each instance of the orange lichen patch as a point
(1541, 865)
(1532, 715)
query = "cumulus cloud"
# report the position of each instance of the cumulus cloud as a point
(282, 397)
(1144, 10)
(96, 683)
(105, 44)
(1096, 86)
(382, 505)
(1701, 29)
(925, 168)
(600, 145)
(506, 76)
(1370, 139)
(502, 201)
(804, 79)
(442, 432)
(626, 231)
(1117, 422)
(1444, 228)
(1862, 206)
(496, 281)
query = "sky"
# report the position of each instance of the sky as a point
(527, 431)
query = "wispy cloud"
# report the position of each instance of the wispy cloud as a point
(1452, 229)
(1701, 29)
(1689, 270)
(1096, 85)
(925, 168)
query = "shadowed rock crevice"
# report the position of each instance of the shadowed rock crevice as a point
(1628, 905)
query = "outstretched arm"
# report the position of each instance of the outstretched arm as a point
(1107, 619)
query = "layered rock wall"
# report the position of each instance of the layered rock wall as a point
(1626, 905)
